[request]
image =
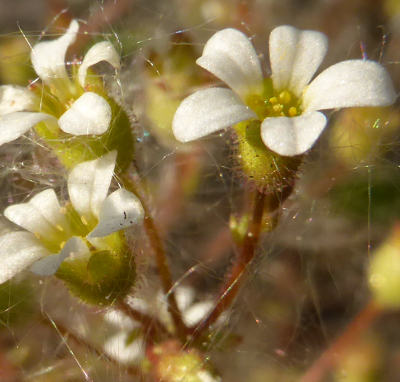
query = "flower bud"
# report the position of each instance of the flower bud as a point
(176, 365)
(384, 272)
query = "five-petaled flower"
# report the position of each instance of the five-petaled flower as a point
(61, 99)
(56, 233)
(287, 104)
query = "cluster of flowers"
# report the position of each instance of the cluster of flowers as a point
(57, 233)
(287, 107)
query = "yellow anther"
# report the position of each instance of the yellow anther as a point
(292, 111)
(84, 221)
(285, 97)
(277, 108)
(273, 100)
(61, 229)
(63, 210)
(37, 235)
(62, 244)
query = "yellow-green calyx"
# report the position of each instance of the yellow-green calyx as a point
(70, 149)
(99, 277)
(268, 171)
(106, 274)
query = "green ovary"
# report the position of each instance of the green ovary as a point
(267, 170)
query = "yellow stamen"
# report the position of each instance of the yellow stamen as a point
(84, 221)
(37, 235)
(62, 244)
(293, 111)
(61, 229)
(285, 97)
(273, 100)
(277, 108)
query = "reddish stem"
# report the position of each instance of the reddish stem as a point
(133, 183)
(235, 278)
(329, 358)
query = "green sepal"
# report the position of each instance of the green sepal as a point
(101, 279)
(267, 170)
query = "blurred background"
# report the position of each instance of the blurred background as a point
(311, 276)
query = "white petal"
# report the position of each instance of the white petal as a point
(295, 56)
(15, 98)
(50, 264)
(41, 215)
(117, 349)
(208, 111)
(14, 125)
(89, 114)
(231, 57)
(350, 83)
(292, 136)
(18, 250)
(120, 210)
(88, 183)
(120, 320)
(102, 51)
(184, 297)
(197, 312)
(48, 57)
(138, 304)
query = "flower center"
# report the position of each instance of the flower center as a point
(274, 103)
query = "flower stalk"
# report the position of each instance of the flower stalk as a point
(132, 182)
(235, 277)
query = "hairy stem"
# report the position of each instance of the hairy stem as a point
(133, 183)
(330, 356)
(235, 277)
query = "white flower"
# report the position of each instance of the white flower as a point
(87, 112)
(119, 346)
(54, 233)
(288, 105)
(192, 312)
